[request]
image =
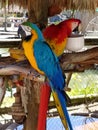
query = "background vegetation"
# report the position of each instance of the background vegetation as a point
(84, 83)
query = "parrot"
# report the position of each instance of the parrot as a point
(44, 60)
(56, 35)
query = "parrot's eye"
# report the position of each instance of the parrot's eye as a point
(27, 28)
(75, 23)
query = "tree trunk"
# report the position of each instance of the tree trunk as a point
(38, 11)
(33, 107)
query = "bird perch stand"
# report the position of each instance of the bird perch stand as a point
(18, 113)
(71, 62)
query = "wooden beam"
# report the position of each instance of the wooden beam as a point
(9, 44)
(77, 100)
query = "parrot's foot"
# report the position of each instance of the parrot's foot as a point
(33, 74)
(67, 89)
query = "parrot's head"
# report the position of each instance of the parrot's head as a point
(73, 25)
(24, 30)
(28, 29)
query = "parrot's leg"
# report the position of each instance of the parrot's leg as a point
(61, 107)
(43, 107)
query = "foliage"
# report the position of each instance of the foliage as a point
(84, 83)
(8, 101)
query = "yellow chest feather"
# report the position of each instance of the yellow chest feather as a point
(29, 53)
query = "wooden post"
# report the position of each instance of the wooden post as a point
(33, 107)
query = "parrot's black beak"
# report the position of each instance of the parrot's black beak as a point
(77, 29)
(22, 33)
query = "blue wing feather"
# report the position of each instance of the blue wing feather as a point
(48, 62)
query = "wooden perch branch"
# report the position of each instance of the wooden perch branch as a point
(79, 61)
(80, 56)
(70, 62)
(13, 70)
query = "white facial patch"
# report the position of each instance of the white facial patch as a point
(27, 30)
(74, 25)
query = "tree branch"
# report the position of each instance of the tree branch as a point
(80, 61)
(18, 70)
(70, 62)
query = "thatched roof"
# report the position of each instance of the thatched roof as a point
(67, 4)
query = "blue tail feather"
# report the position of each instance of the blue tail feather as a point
(63, 105)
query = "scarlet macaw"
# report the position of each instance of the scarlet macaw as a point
(42, 58)
(57, 35)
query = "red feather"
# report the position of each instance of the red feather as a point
(43, 107)
(60, 31)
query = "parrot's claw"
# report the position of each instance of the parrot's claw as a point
(67, 89)
(29, 73)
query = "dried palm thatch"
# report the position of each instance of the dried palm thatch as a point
(89, 5)
(67, 4)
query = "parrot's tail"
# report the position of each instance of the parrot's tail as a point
(60, 101)
(43, 107)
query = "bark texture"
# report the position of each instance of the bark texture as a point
(33, 107)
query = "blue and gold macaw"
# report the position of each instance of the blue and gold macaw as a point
(42, 59)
